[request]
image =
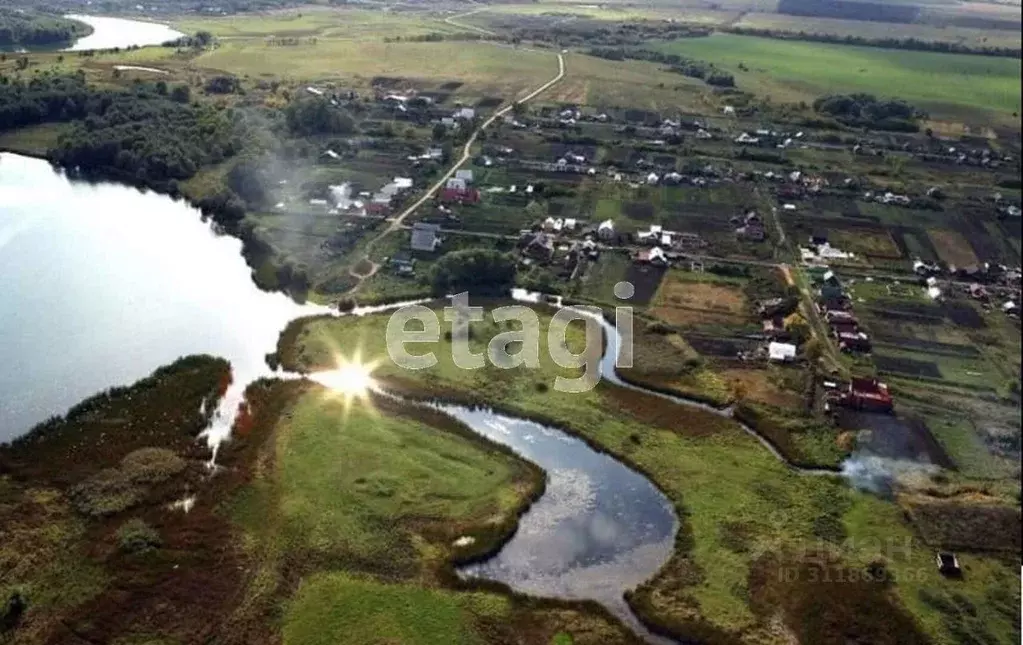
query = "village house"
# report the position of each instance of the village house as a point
(403, 264)
(851, 342)
(752, 228)
(464, 114)
(606, 230)
(538, 246)
(834, 317)
(774, 327)
(863, 394)
(771, 307)
(655, 256)
(685, 241)
(425, 237)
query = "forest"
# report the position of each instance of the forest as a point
(150, 134)
(33, 29)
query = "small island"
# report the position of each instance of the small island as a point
(26, 29)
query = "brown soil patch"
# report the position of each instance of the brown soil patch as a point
(969, 526)
(657, 412)
(952, 247)
(679, 302)
(760, 386)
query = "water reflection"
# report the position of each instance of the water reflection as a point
(108, 33)
(102, 284)
(599, 530)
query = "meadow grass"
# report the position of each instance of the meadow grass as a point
(329, 606)
(868, 29)
(723, 482)
(486, 66)
(350, 520)
(320, 22)
(34, 140)
(790, 70)
(343, 473)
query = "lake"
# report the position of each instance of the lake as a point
(121, 32)
(103, 284)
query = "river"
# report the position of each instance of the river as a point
(104, 283)
(108, 33)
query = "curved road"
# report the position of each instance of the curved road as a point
(396, 223)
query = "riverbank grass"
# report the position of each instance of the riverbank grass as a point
(744, 513)
(330, 606)
(352, 519)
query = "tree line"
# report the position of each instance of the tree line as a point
(891, 42)
(33, 29)
(690, 67)
(866, 110)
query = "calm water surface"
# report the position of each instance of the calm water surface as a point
(102, 284)
(121, 32)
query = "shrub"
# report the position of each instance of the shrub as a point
(151, 465)
(107, 492)
(135, 536)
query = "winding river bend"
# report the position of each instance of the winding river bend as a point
(104, 283)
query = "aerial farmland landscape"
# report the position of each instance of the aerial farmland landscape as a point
(552, 323)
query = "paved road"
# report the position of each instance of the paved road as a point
(397, 221)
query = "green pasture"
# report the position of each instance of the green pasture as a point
(946, 84)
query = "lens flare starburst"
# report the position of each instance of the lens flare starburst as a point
(351, 380)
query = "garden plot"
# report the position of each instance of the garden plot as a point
(973, 373)
(966, 526)
(952, 247)
(914, 243)
(885, 435)
(884, 336)
(646, 279)
(906, 366)
(719, 346)
(687, 299)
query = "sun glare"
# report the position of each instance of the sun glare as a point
(350, 378)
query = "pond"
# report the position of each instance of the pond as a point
(108, 33)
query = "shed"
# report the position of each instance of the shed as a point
(782, 352)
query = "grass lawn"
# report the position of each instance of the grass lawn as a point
(738, 503)
(790, 70)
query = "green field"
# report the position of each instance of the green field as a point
(868, 29)
(333, 608)
(489, 67)
(945, 84)
(740, 504)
